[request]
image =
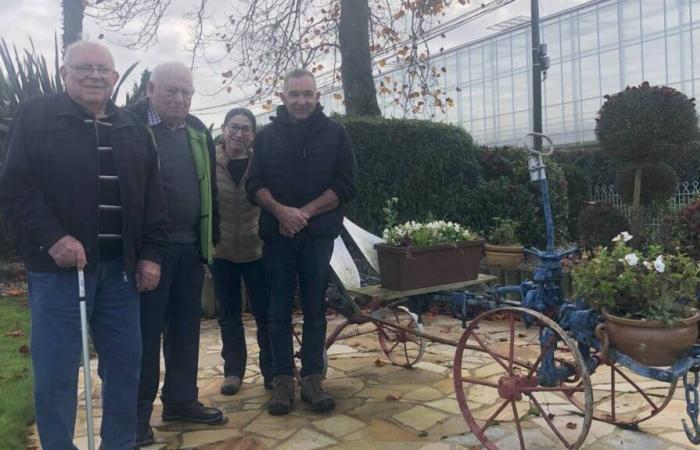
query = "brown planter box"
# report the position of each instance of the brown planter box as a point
(404, 268)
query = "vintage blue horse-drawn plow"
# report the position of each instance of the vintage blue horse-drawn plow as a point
(539, 359)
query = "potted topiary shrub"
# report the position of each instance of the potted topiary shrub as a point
(646, 297)
(503, 247)
(417, 255)
(639, 127)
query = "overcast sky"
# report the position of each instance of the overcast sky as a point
(41, 19)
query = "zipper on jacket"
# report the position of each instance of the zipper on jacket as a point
(97, 178)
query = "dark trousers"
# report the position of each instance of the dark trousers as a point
(113, 316)
(308, 260)
(174, 310)
(227, 285)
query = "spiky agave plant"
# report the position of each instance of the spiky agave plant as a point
(23, 74)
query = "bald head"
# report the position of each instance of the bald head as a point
(88, 75)
(170, 91)
(73, 50)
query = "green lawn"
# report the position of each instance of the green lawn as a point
(16, 409)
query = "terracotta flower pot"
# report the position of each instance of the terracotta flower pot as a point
(403, 268)
(651, 342)
(503, 255)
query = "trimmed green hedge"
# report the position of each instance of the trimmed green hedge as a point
(506, 191)
(437, 171)
(431, 167)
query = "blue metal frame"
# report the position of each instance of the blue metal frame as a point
(544, 294)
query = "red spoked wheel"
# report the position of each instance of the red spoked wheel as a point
(498, 368)
(402, 347)
(621, 397)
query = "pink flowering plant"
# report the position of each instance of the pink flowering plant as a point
(646, 285)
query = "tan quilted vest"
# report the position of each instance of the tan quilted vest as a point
(239, 219)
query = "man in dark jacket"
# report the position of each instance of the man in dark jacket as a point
(80, 188)
(303, 172)
(188, 170)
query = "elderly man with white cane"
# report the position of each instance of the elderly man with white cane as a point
(80, 191)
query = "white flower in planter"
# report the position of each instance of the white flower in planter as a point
(624, 237)
(659, 264)
(631, 259)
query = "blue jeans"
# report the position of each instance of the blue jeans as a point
(227, 284)
(308, 260)
(113, 315)
(172, 310)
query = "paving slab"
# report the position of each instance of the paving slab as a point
(385, 407)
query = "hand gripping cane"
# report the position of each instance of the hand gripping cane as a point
(86, 359)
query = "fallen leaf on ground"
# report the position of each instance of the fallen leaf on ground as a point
(15, 292)
(15, 333)
(393, 397)
(571, 425)
(379, 363)
(24, 349)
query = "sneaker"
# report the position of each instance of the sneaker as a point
(312, 392)
(282, 395)
(193, 412)
(231, 385)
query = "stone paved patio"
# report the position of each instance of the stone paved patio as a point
(379, 406)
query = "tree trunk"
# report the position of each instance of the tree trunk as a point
(636, 222)
(356, 68)
(73, 12)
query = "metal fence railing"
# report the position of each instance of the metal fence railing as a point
(686, 192)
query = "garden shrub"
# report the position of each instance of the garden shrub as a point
(432, 168)
(659, 182)
(644, 123)
(437, 172)
(507, 192)
(598, 223)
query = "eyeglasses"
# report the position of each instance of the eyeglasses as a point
(235, 128)
(85, 70)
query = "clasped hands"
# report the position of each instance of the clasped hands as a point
(292, 220)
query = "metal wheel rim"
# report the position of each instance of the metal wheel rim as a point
(584, 383)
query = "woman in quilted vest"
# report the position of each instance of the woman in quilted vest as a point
(238, 254)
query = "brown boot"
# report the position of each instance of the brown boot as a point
(282, 395)
(312, 392)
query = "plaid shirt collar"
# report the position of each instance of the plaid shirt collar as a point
(154, 119)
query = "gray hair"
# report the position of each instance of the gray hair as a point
(298, 73)
(166, 70)
(75, 47)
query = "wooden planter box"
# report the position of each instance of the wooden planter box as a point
(404, 268)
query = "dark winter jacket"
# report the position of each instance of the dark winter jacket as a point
(299, 161)
(201, 144)
(49, 183)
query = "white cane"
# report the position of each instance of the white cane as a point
(86, 359)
